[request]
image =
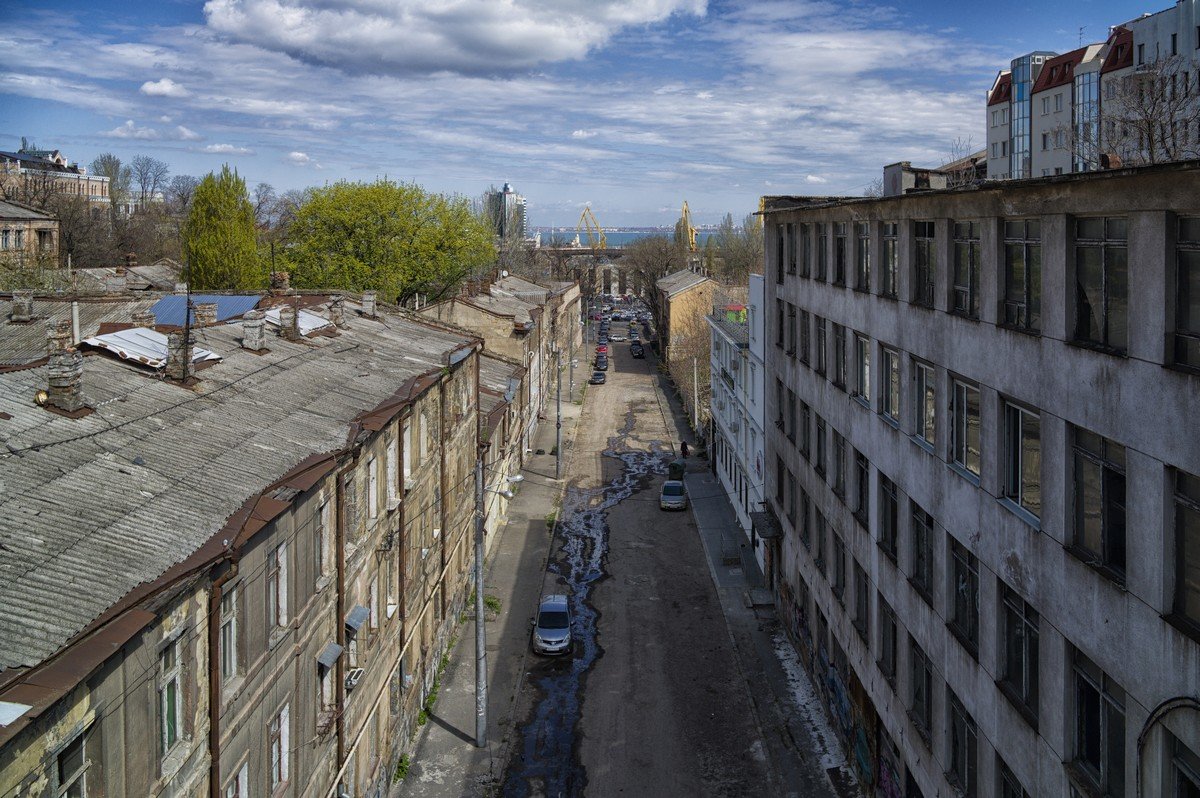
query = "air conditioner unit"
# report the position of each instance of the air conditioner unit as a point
(353, 677)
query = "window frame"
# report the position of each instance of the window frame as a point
(1017, 468)
(66, 782)
(1110, 697)
(840, 253)
(1185, 349)
(890, 261)
(170, 697)
(862, 257)
(964, 287)
(964, 596)
(1019, 669)
(922, 529)
(1111, 555)
(924, 263)
(862, 368)
(963, 767)
(1108, 246)
(889, 388)
(889, 517)
(1024, 314)
(960, 427)
(839, 355)
(1186, 505)
(920, 689)
(925, 404)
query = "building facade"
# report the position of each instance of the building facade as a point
(35, 175)
(991, 522)
(27, 236)
(506, 211)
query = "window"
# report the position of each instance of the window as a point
(791, 415)
(862, 604)
(922, 552)
(1045, 107)
(889, 516)
(1045, 145)
(780, 481)
(805, 251)
(819, 539)
(390, 459)
(1187, 293)
(804, 342)
(779, 317)
(779, 404)
(1007, 784)
(1102, 283)
(822, 253)
(805, 430)
(1185, 770)
(821, 348)
(408, 453)
(1023, 274)
(1100, 500)
(72, 767)
(962, 747)
(372, 488)
(924, 264)
(890, 263)
(1019, 675)
(966, 269)
(862, 257)
(890, 399)
(964, 598)
(1058, 101)
(239, 785)
(887, 641)
(819, 454)
(862, 481)
(170, 697)
(839, 356)
(839, 465)
(278, 735)
(1099, 727)
(862, 368)
(229, 644)
(838, 554)
(779, 254)
(791, 249)
(965, 439)
(1187, 548)
(925, 402)
(921, 688)
(803, 526)
(791, 330)
(277, 603)
(839, 253)
(1174, 44)
(1141, 54)
(1023, 458)
(324, 539)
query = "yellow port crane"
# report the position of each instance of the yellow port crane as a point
(589, 227)
(684, 232)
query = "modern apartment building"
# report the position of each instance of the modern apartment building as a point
(1133, 98)
(506, 211)
(988, 480)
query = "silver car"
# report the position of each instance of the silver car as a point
(552, 629)
(673, 496)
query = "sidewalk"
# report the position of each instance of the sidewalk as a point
(446, 763)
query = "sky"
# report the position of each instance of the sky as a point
(627, 106)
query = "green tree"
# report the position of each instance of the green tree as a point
(218, 236)
(394, 238)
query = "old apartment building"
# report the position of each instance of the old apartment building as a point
(27, 236)
(35, 174)
(983, 459)
(244, 562)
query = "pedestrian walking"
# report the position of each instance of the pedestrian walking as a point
(683, 448)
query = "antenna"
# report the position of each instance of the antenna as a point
(1081, 29)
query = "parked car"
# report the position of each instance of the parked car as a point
(602, 362)
(598, 378)
(637, 351)
(673, 496)
(617, 338)
(552, 627)
(602, 349)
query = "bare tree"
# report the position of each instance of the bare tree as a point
(739, 250)
(179, 193)
(150, 176)
(874, 188)
(265, 205)
(648, 259)
(958, 165)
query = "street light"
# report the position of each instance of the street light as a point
(480, 637)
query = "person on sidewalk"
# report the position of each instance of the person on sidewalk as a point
(683, 448)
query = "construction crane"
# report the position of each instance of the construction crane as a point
(684, 232)
(588, 226)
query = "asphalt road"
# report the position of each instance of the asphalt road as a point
(650, 702)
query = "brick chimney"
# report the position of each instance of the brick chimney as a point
(254, 330)
(179, 357)
(144, 318)
(22, 306)
(337, 310)
(368, 303)
(289, 323)
(281, 282)
(131, 261)
(206, 314)
(65, 389)
(58, 335)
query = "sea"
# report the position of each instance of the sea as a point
(615, 238)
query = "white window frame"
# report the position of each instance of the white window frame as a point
(277, 586)
(889, 394)
(959, 439)
(924, 425)
(239, 785)
(77, 777)
(408, 453)
(372, 488)
(279, 734)
(170, 690)
(229, 630)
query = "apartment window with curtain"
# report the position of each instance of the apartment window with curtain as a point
(839, 356)
(924, 403)
(862, 484)
(1187, 292)
(889, 517)
(862, 368)
(862, 257)
(1023, 274)
(1102, 283)
(804, 337)
(963, 771)
(822, 349)
(890, 261)
(890, 390)
(1019, 672)
(822, 253)
(839, 253)
(921, 577)
(1099, 504)
(924, 264)
(805, 251)
(966, 270)
(964, 597)
(965, 436)
(791, 248)
(1023, 458)
(920, 707)
(1099, 760)
(1187, 550)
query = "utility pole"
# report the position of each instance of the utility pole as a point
(558, 410)
(696, 392)
(480, 647)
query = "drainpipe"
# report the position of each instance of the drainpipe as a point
(214, 678)
(339, 625)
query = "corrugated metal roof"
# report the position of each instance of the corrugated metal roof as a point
(26, 342)
(169, 309)
(92, 507)
(144, 346)
(309, 322)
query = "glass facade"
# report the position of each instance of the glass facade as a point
(1086, 120)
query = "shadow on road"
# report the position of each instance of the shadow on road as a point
(452, 729)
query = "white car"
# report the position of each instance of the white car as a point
(617, 337)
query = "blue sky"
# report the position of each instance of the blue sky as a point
(631, 106)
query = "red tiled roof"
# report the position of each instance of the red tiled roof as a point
(1120, 50)
(1002, 91)
(1058, 71)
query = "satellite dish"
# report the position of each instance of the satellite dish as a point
(503, 273)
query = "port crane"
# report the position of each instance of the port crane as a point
(589, 227)
(684, 231)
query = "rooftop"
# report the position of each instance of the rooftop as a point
(679, 281)
(13, 210)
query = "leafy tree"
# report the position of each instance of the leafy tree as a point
(218, 236)
(395, 238)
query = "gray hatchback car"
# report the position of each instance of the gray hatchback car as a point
(673, 496)
(552, 628)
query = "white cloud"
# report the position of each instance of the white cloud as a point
(299, 158)
(467, 36)
(228, 149)
(814, 179)
(163, 88)
(582, 134)
(184, 134)
(131, 131)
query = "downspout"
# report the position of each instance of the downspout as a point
(214, 678)
(442, 432)
(339, 625)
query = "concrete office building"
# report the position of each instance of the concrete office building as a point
(988, 479)
(506, 210)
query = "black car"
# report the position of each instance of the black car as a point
(598, 378)
(602, 364)
(637, 351)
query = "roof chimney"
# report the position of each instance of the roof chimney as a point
(22, 306)
(65, 390)
(254, 330)
(289, 322)
(281, 282)
(206, 314)
(337, 310)
(368, 304)
(58, 335)
(144, 318)
(131, 261)
(115, 282)
(179, 357)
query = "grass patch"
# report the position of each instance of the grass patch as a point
(492, 603)
(401, 772)
(551, 517)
